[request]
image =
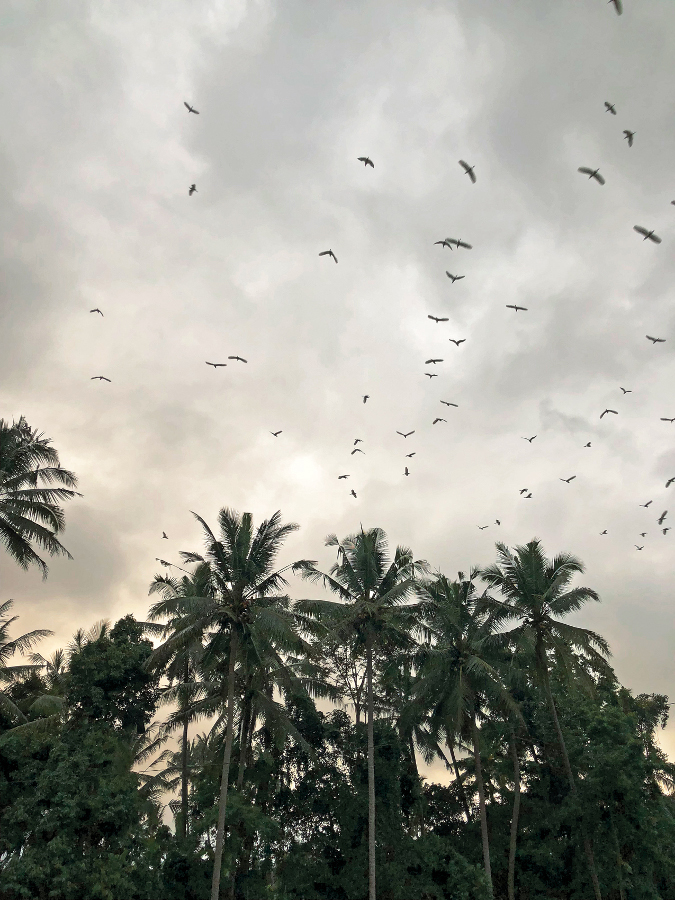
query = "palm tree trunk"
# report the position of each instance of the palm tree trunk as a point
(371, 772)
(460, 784)
(514, 818)
(481, 801)
(588, 847)
(184, 781)
(225, 775)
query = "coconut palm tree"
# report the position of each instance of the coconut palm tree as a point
(373, 613)
(32, 487)
(537, 592)
(8, 648)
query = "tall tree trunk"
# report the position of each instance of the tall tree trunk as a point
(371, 773)
(460, 784)
(588, 847)
(514, 817)
(481, 801)
(225, 774)
(184, 781)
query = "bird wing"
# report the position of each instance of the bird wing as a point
(598, 177)
(584, 170)
(618, 6)
(465, 245)
(640, 229)
(655, 238)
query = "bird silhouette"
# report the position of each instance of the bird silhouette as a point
(447, 403)
(669, 482)
(238, 358)
(357, 450)
(432, 361)
(353, 492)
(665, 530)
(628, 136)
(410, 455)
(164, 536)
(276, 433)
(443, 243)
(96, 310)
(667, 420)
(643, 534)
(662, 517)
(482, 527)
(358, 441)
(192, 190)
(527, 496)
(215, 365)
(457, 342)
(497, 522)
(625, 390)
(431, 375)
(609, 107)
(529, 440)
(366, 397)
(367, 161)
(523, 491)
(459, 243)
(100, 378)
(567, 480)
(514, 306)
(648, 503)
(592, 173)
(340, 477)
(455, 278)
(587, 445)
(608, 411)
(406, 472)
(469, 170)
(406, 435)
(639, 548)
(647, 235)
(655, 340)
(438, 419)
(328, 253)
(190, 109)
(436, 319)
(618, 6)
(604, 532)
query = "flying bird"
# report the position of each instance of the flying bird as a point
(523, 491)
(190, 109)
(328, 253)
(497, 522)
(455, 278)
(358, 441)
(628, 136)
(164, 537)
(608, 411)
(432, 361)
(604, 532)
(482, 527)
(437, 419)
(342, 476)
(529, 440)
(567, 480)
(367, 161)
(96, 310)
(366, 397)
(587, 445)
(662, 517)
(647, 234)
(215, 365)
(406, 472)
(276, 433)
(514, 306)
(469, 170)
(617, 6)
(648, 503)
(639, 548)
(459, 243)
(527, 496)
(431, 375)
(410, 455)
(667, 420)
(447, 403)
(625, 390)
(669, 482)
(457, 343)
(655, 340)
(99, 378)
(193, 190)
(643, 534)
(239, 358)
(357, 450)
(353, 492)
(592, 173)
(609, 107)
(436, 319)
(406, 435)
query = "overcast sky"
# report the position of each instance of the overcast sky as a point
(98, 153)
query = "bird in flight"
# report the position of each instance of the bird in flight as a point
(358, 441)
(215, 365)
(164, 537)
(431, 375)
(447, 403)
(342, 476)
(662, 517)
(523, 491)
(665, 530)
(628, 136)
(647, 234)
(455, 278)
(436, 319)
(497, 522)
(608, 411)
(367, 161)
(648, 503)
(514, 306)
(617, 6)
(459, 243)
(469, 170)
(357, 450)
(430, 361)
(482, 527)
(96, 310)
(410, 455)
(587, 445)
(99, 378)
(276, 433)
(529, 440)
(667, 420)
(669, 482)
(190, 109)
(655, 340)
(353, 492)
(438, 419)
(604, 532)
(239, 358)
(443, 243)
(609, 107)
(592, 173)
(567, 480)
(639, 548)
(643, 534)
(528, 496)
(457, 343)
(193, 189)
(328, 253)
(366, 397)
(406, 435)
(625, 390)
(406, 472)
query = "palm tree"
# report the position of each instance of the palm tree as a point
(243, 611)
(373, 613)
(537, 592)
(29, 506)
(7, 650)
(458, 671)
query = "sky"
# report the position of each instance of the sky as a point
(97, 156)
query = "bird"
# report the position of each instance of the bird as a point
(164, 536)
(514, 306)
(432, 361)
(639, 548)
(482, 527)
(469, 170)
(357, 450)
(655, 340)
(443, 243)
(497, 522)
(628, 136)
(625, 390)
(528, 496)
(193, 190)
(438, 419)
(608, 411)
(99, 378)
(276, 433)
(406, 435)
(617, 6)
(96, 310)
(215, 365)
(604, 532)
(587, 445)
(609, 107)
(410, 455)
(648, 503)
(643, 534)
(523, 491)
(667, 420)
(239, 358)
(647, 234)
(457, 342)
(431, 375)
(567, 480)
(665, 530)
(529, 440)
(367, 161)
(592, 173)
(353, 492)
(190, 109)
(436, 319)
(328, 253)
(455, 278)
(662, 517)
(406, 472)
(447, 403)
(358, 441)
(342, 476)
(669, 482)
(366, 397)
(459, 243)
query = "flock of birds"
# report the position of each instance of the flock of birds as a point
(593, 174)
